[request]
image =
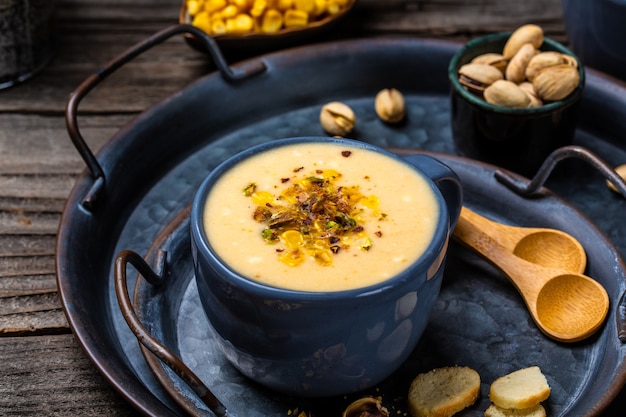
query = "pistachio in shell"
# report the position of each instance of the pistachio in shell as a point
(491, 58)
(337, 118)
(366, 407)
(389, 105)
(529, 89)
(516, 70)
(477, 77)
(543, 60)
(529, 33)
(507, 94)
(556, 82)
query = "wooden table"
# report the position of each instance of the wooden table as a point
(43, 370)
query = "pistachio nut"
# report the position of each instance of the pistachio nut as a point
(570, 60)
(493, 59)
(337, 118)
(530, 33)
(478, 76)
(366, 406)
(556, 82)
(389, 105)
(507, 94)
(543, 60)
(529, 89)
(516, 70)
(621, 171)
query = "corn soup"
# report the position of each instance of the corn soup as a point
(320, 217)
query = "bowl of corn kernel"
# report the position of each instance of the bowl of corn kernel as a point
(262, 23)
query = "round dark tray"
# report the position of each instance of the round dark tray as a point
(151, 169)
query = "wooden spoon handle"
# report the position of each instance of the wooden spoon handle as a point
(476, 233)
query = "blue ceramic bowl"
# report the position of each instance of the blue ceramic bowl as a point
(512, 138)
(317, 344)
(596, 30)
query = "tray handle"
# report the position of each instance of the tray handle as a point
(528, 189)
(75, 97)
(156, 277)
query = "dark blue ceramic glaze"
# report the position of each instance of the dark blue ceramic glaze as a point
(317, 344)
(516, 139)
(597, 33)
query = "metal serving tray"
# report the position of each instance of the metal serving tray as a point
(142, 180)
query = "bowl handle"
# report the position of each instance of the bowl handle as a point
(527, 189)
(143, 335)
(229, 74)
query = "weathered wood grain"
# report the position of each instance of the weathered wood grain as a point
(43, 371)
(51, 376)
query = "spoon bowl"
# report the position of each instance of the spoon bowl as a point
(551, 248)
(566, 305)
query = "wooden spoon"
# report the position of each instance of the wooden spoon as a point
(565, 305)
(551, 248)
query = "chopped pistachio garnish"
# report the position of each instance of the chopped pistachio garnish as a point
(314, 217)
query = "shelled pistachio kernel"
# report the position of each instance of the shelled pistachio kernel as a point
(337, 118)
(621, 171)
(389, 105)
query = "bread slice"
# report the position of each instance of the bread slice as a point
(495, 411)
(443, 392)
(521, 389)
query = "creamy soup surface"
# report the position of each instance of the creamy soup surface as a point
(320, 217)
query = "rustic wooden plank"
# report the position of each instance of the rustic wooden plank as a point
(27, 245)
(25, 204)
(40, 186)
(15, 266)
(39, 144)
(23, 285)
(33, 323)
(51, 376)
(18, 223)
(29, 304)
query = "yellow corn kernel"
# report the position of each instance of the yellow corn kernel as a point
(241, 23)
(284, 4)
(292, 239)
(293, 258)
(194, 7)
(334, 6)
(320, 7)
(371, 202)
(330, 174)
(305, 5)
(272, 21)
(262, 197)
(258, 8)
(218, 27)
(202, 21)
(241, 4)
(323, 257)
(214, 5)
(229, 11)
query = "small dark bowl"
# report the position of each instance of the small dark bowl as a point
(512, 138)
(286, 37)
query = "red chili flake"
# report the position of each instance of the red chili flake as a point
(284, 180)
(298, 169)
(280, 250)
(358, 229)
(378, 233)
(346, 153)
(318, 171)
